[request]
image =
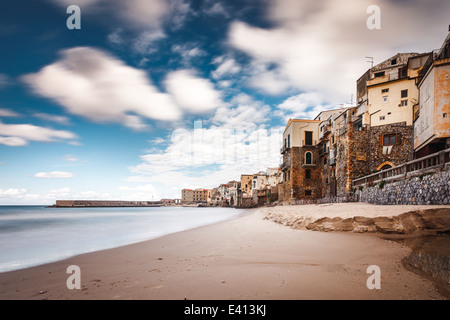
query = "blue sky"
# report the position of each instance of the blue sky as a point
(152, 96)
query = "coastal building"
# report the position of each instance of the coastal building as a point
(392, 94)
(300, 167)
(327, 150)
(432, 118)
(194, 196)
(232, 192)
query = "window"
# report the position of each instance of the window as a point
(379, 74)
(308, 138)
(289, 141)
(382, 118)
(385, 90)
(402, 72)
(289, 175)
(393, 61)
(324, 160)
(389, 139)
(308, 192)
(404, 103)
(308, 174)
(404, 93)
(308, 158)
(385, 99)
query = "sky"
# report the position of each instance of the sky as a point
(149, 97)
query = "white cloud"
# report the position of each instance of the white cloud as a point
(20, 134)
(226, 67)
(194, 94)
(8, 113)
(321, 45)
(242, 112)
(54, 175)
(188, 52)
(302, 106)
(12, 192)
(141, 13)
(207, 157)
(71, 158)
(13, 141)
(90, 83)
(216, 9)
(80, 3)
(140, 193)
(144, 43)
(52, 118)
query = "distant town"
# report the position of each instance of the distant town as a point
(398, 131)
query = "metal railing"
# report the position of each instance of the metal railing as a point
(433, 161)
(309, 143)
(285, 164)
(284, 149)
(324, 150)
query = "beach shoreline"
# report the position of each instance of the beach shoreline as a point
(244, 258)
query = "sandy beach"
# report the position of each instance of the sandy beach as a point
(246, 258)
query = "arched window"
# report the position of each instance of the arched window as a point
(308, 158)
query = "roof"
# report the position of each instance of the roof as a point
(300, 120)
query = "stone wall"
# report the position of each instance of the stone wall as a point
(421, 190)
(400, 153)
(297, 185)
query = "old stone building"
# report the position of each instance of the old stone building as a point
(194, 196)
(301, 168)
(391, 94)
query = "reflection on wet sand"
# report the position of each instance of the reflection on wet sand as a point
(430, 257)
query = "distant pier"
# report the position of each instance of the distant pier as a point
(102, 203)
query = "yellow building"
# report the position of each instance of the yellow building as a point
(246, 185)
(392, 91)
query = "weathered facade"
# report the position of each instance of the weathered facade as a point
(194, 196)
(432, 125)
(301, 168)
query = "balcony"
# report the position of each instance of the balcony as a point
(285, 165)
(323, 151)
(311, 143)
(284, 149)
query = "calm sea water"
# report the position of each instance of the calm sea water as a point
(34, 235)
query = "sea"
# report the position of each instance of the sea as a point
(35, 235)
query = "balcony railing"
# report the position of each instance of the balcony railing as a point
(324, 151)
(286, 164)
(409, 169)
(309, 143)
(284, 149)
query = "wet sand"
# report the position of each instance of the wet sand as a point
(246, 258)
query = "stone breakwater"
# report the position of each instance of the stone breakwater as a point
(416, 221)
